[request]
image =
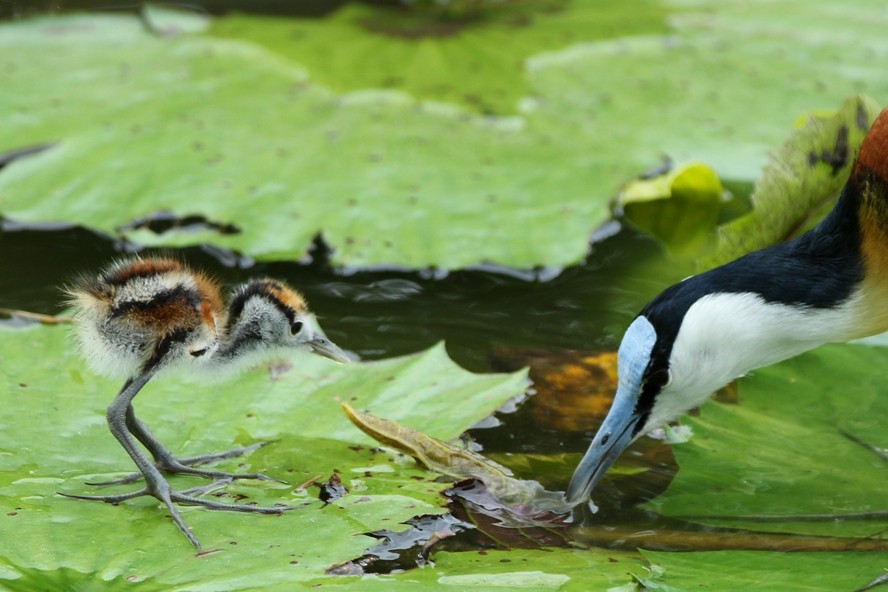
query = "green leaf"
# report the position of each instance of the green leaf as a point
(801, 182)
(240, 135)
(475, 61)
(780, 451)
(53, 437)
(680, 207)
(232, 133)
(763, 572)
(564, 570)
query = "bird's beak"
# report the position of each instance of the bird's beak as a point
(324, 347)
(619, 427)
(614, 435)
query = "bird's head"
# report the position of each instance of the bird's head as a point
(826, 285)
(670, 360)
(642, 374)
(266, 314)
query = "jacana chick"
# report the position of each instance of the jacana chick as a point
(828, 285)
(143, 316)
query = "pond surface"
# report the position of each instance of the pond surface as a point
(485, 315)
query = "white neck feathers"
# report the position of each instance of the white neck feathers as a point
(724, 336)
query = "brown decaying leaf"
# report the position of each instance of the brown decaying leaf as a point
(456, 461)
(332, 490)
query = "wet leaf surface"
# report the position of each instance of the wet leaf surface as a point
(478, 520)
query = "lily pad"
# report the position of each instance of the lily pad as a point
(781, 451)
(473, 59)
(242, 136)
(237, 135)
(53, 438)
(761, 572)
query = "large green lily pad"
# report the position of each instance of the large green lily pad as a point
(474, 59)
(245, 136)
(779, 452)
(761, 572)
(53, 438)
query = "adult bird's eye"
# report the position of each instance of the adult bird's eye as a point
(296, 327)
(198, 352)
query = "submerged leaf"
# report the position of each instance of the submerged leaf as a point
(574, 389)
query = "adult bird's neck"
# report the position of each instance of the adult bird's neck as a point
(864, 204)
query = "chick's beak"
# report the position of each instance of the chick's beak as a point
(614, 435)
(324, 347)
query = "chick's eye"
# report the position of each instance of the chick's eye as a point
(296, 327)
(198, 352)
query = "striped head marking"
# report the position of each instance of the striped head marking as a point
(265, 293)
(266, 314)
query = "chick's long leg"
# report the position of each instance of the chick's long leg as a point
(155, 484)
(166, 462)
